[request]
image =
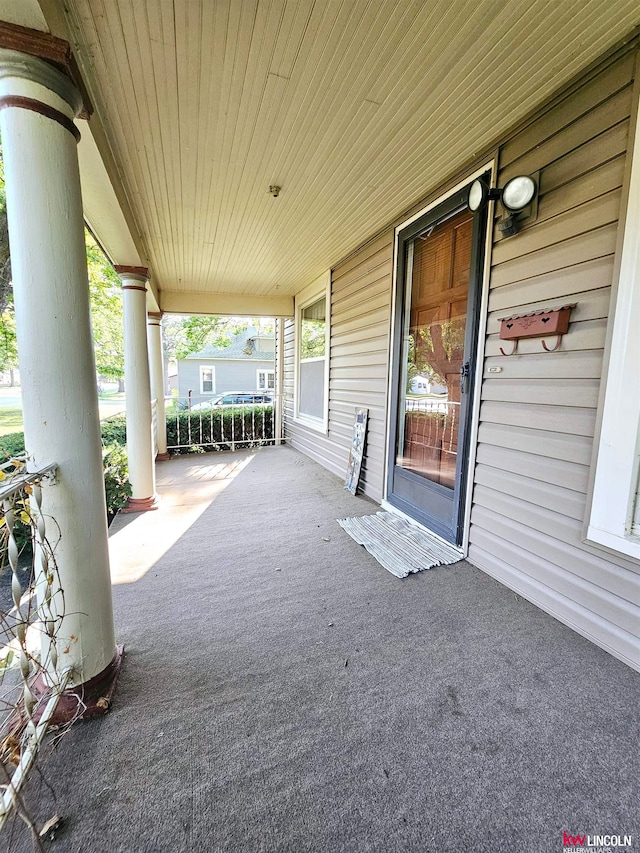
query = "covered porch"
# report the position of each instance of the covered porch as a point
(282, 692)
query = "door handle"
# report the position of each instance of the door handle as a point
(465, 372)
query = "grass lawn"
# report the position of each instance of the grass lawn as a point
(10, 420)
(111, 395)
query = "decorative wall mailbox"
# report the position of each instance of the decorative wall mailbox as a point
(537, 324)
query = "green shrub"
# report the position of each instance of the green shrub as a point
(114, 457)
(114, 430)
(11, 445)
(116, 484)
(245, 426)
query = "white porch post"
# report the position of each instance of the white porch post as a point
(156, 368)
(137, 384)
(59, 393)
(279, 401)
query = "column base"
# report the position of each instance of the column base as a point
(85, 701)
(163, 457)
(141, 504)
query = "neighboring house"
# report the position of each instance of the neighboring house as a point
(423, 385)
(247, 364)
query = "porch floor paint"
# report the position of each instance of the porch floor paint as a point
(325, 706)
(400, 547)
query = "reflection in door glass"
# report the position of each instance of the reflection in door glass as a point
(436, 289)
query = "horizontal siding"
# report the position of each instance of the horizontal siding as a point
(559, 472)
(578, 103)
(589, 305)
(577, 221)
(557, 498)
(564, 282)
(585, 364)
(359, 365)
(558, 132)
(586, 246)
(589, 623)
(556, 418)
(542, 442)
(538, 410)
(551, 392)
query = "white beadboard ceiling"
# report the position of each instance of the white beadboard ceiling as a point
(356, 108)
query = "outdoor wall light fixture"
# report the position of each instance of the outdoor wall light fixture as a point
(516, 195)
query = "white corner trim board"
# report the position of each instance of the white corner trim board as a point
(616, 485)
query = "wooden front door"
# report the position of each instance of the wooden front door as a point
(436, 341)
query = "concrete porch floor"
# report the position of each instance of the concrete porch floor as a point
(282, 692)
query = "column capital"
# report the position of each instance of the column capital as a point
(21, 66)
(127, 273)
(51, 52)
(35, 75)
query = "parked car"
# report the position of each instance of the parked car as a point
(234, 399)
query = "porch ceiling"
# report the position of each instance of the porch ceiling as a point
(355, 108)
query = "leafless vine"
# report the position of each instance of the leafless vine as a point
(30, 625)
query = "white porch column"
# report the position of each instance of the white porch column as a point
(59, 393)
(156, 368)
(279, 401)
(137, 386)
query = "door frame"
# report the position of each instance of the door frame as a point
(489, 168)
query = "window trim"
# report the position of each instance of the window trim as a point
(266, 370)
(212, 368)
(315, 291)
(617, 452)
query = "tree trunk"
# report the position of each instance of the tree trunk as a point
(121, 386)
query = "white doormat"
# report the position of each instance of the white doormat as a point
(401, 547)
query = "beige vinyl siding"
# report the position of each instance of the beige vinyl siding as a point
(359, 365)
(538, 416)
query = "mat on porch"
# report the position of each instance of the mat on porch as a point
(400, 547)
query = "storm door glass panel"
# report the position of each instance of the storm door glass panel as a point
(436, 291)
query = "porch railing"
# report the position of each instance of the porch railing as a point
(22, 519)
(427, 404)
(219, 425)
(154, 426)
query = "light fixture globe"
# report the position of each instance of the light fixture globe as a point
(478, 193)
(518, 193)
